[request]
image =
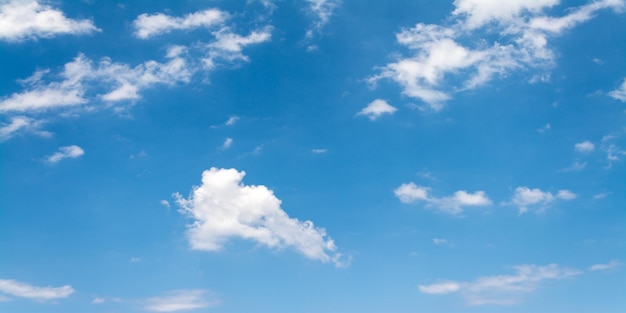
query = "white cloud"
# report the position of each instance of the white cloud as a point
(601, 195)
(439, 241)
(411, 193)
(223, 208)
(525, 198)
(319, 151)
(98, 300)
(232, 120)
(322, 10)
(576, 166)
(66, 152)
(165, 203)
(606, 266)
(181, 300)
(147, 25)
(584, 147)
(23, 290)
(227, 143)
(544, 128)
(22, 124)
(620, 92)
(376, 109)
(228, 45)
(502, 289)
(24, 19)
(522, 33)
(135, 259)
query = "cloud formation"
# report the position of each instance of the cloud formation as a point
(24, 19)
(223, 208)
(454, 204)
(181, 300)
(23, 290)
(606, 266)
(620, 92)
(502, 289)
(525, 198)
(149, 25)
(584, 147)
(322, 10)
(67, 152)
(509, 36)
(22, 124)
(376, 109)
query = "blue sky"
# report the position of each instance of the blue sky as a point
(312, 156)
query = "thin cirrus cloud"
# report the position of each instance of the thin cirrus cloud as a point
(222, 207)
(454, 204)
(23, 19)
(181, 300)
(23, 290)
(67, 152)
(526, 198)
(22, 124)
(502, 289)
(606, 266)
(517, 34)
(376, 109)
(620, 92)
(322, 10)
(150, 25)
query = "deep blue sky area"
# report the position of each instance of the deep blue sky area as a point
(312, 156)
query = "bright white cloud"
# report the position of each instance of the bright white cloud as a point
(223, 208)
(181, 300)
(411, 193)
(606, 266)
(502, 289)
(66, 152)
(22, 124)
(322, 10)
(227, 143)
(232, 120)
(376, 109)
(522, 33)
(24, 19)
(584, 147)
(620, 92)
(23, 290)
(525, 198)
(147, 25)
(228, 46)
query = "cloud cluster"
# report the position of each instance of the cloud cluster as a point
(223, 208)
(454, 204)
(29, 19)
(525, 198)
(23, 290)
(149, 25)
(502, 289)
(522, 33)
(322, 10)
(180, 300)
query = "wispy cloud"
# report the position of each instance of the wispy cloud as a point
(67, 152)
(23, 290)
(150, 25)
(322, 10)
(24, 19)
(620, 92)
(502, 289)
(227, 143)
(606, 266)
(22, 124)
(223, 208)
(454, 204)
(181, 300)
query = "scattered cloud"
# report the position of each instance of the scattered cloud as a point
(227, 143)
(322, 10)
(376, 109)
(24, 19)
(576, 166)
(502, 289)
(585, 146)
(223, 208)
(606, 266)
(181, 300)
(508, 37)
(66, 152)
(525, 198)
(135, 259)
(544, 128)
(23, 290)
(411, 193)
(232, 120)
(165, 203)
(228, 46)
(98, 300)
(612, 150)
(620, 92)
(319, 151)
(439, 241)
(601, 195)
(150, 25)
(22, 124)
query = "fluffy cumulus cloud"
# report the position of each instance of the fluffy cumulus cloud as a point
(149, 25)
(526, 198)
(454, 204)
(22, 290)
(508, 36)
(620, 92)
(376, 109)
(223, 208)
(67, 152)
(584, 147)
(25, 19)
(181, 300)
(502, 289)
